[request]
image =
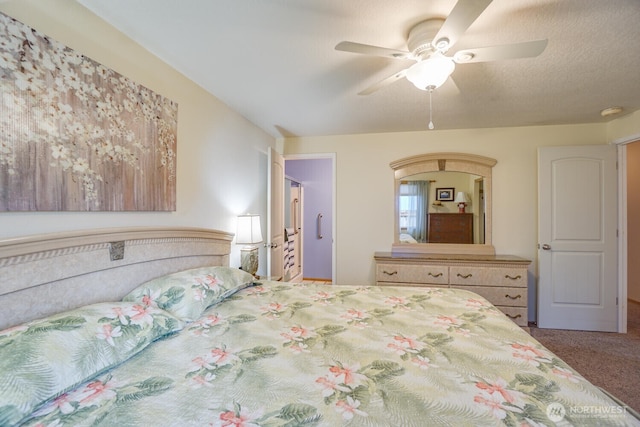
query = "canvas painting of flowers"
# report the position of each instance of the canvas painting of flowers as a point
(78, 136)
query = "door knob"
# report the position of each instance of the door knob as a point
(546, 247)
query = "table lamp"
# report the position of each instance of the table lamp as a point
(249, 233)
(461, 200)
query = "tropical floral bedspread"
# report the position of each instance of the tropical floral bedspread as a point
(279, 354)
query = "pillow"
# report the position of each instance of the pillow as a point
(186, 294)
(45, 358)
(407, 238)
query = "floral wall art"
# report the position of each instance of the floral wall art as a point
(76, 135)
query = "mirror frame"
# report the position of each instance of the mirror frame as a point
(441, 162)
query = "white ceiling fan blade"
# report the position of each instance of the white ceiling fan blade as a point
(497, 53)
(367, 49)
(382, 83)
(464, 13)
(449, 88)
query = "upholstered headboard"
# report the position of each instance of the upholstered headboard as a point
(45, 274)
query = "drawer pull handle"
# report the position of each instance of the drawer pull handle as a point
(465, 276)
(435, 275)
(390, 273)
(512, 277)
(513, 317)
(516, 297)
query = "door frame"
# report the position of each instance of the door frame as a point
(621, 150)
(621, 144)
(331, 156)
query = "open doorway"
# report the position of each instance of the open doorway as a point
(316, 175)
(628, 231)
(631, 162)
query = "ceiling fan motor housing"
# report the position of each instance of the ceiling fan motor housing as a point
(421, 36)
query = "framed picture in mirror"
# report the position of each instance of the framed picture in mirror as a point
(445, 194)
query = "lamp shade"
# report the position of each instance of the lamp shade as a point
(249, 231)
(462, 197)
(431, 73)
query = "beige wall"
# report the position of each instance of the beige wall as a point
(624, 128)
(221, 156)
(365, 189)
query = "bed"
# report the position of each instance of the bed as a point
(211, 345)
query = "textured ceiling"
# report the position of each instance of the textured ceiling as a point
(274, 61)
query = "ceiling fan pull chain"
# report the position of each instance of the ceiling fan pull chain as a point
(430, 111)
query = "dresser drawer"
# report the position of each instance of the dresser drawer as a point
(426, 274)
(497, 295)
(486, 276)
(415, 285)
(517, 314)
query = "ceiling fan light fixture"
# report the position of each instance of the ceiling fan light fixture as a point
(431, 73)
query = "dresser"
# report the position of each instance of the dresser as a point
(450, 228)
(502, 279)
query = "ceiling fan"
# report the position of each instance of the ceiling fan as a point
(430, 40)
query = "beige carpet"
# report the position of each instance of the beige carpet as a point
(608, 360)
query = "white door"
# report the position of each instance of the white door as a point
(275, 254)
(577, 238)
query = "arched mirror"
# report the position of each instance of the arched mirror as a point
(443, 204)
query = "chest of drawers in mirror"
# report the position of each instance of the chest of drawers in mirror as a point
(502, 279)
